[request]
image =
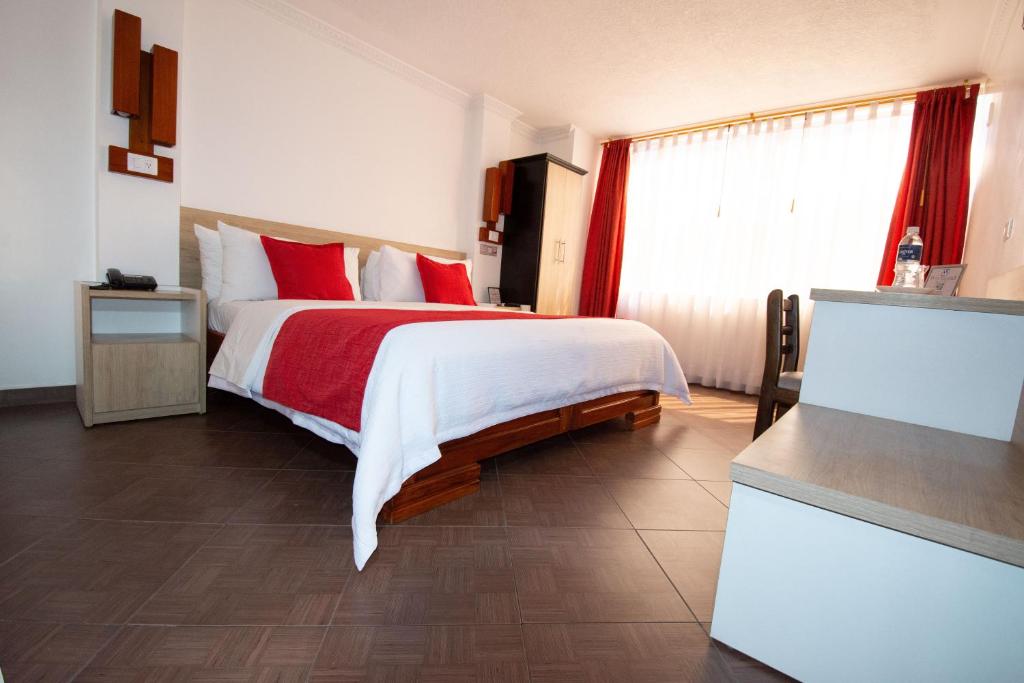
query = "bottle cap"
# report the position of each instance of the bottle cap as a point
(913, 230)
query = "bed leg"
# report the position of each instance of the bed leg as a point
(643, 417)
(422, 493)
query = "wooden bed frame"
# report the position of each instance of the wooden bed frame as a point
(457, 473)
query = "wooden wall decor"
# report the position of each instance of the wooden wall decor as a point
(144, 89)
(497, 200)
(507, 169)
(492, 196)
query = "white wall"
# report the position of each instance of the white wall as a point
(283, 124)
(47, 183)
(999, 194)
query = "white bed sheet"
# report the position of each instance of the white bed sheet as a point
(219, 314)
(434, 382)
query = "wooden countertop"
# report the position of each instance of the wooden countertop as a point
(946, 303)
(959, 490)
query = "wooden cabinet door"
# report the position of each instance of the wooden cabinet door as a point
(147, 375)
(555, 286)
(575, 237)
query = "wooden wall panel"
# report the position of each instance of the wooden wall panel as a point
(492, 195)
(127, 57)
(190, 274)
(164, 98)
(507, 169)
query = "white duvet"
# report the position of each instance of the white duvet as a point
(433, 382)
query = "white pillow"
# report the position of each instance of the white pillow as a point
(352, 271)
(246, 272)
(400, 278)
(371, 277)
(210, 258)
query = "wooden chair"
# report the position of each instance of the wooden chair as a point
(780, 385)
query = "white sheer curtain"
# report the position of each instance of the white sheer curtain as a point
(717, 219)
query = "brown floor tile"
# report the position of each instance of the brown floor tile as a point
(622, 652)
(691, 559)
(44, 430)
(579, 575)
(433, 575)
(639, 460)
(208, 653)
(18, 532)
(63, 488)
(300, 497)
(734, 438)
(559, 501)
(482, 508)
(209, 501)
(95, 572)
(227, 449)
(285, 575)
(746, 669)
(557, 455)
(672, 434)
(422, 653)
(703, 464)
(321, 454)
(722, 490)
(48, 652)
(668, 504)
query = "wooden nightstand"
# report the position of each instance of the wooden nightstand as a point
(125, 372)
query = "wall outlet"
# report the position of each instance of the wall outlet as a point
(140, 163)
(489, 249)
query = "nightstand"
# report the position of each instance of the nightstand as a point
(139, 354)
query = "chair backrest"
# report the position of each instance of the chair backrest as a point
(782, 350)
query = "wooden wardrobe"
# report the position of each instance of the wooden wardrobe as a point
(544, 238)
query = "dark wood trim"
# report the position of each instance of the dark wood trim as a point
(117, 162)
(457, 473)
(127, 41)
(163, 127)
(37, 395)
(492, 195)
(553, 159)
(507, 169)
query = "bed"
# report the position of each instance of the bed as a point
(440, 396)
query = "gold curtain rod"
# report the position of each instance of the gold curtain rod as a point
(882, 98)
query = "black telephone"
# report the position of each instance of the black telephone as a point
(119, 281)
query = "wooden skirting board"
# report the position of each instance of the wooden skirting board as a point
(36, 395)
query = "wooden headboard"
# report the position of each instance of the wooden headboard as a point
(188, 246)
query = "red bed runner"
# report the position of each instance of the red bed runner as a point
(322, 358)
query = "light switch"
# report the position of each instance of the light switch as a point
(140, 163)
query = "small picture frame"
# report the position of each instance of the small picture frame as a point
(943, 280)
(494, 295)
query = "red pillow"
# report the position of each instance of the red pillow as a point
(308, 271)
(445, 283)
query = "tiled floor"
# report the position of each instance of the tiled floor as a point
(218, 546)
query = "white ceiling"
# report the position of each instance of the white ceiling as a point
(626, 66)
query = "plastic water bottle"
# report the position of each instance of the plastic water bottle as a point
(908, 259)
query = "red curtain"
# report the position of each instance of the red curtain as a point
(602, 265)
(936, 179)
